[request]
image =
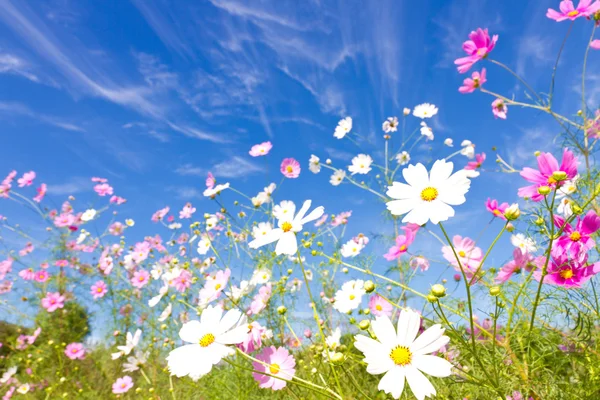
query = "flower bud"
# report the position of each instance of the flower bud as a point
(338, 358)
(406, 111)
(494, 291)
(510, 227)
(369, 286)
(576, 209)
(544, 190)
(513, 212)
(537, 153)
(345, 270)
(281, 310)
(431, 298)
(438, 290)
(364, 324)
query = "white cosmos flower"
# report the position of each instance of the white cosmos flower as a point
(564, 207)
(134, 362)
(314, 164)
(390, 125)
(130, 342)
(288, 226)
(262, 229)
(449, 142)
(428, 196)
(212, 192)
(468, 149)
(361, 164)
(235, 294)
(161, 293)
(260, 276)
(526, 244)
(208, 341)
(401, 355)
(211, 222)
(351, 249)
(82, 236)
(283, 209)
(403, 158)
(333, 341)
(425, 110)
(343, 128)
(8, 374)
(337, 177)
(88, 215)
(166, 313)
(349, 297)
(23, 389)
(426, 131)
(204, 245)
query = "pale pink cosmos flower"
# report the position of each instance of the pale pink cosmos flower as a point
(290, 168)
(419, 262)
(341, 218)
(210, 181)
(27, 179)
(187, 211)
(279, 364)
(253, 341)
(477, 47)
(41, 192)
(98, 290)
(140, 278)
(104, 189)
(117, 200)
(160, 214)
(53, 301)
(61, 263)
(99, 180)
(122, 385)
(473, 83)
(41, 276)
(116, 229)
(27, 249)
(496, 209)
(473, 165)
(183, 281)
(63, 220)
(214, 285)
(585, 8)
(260, 301)
(468, 254)
(321, 220)
(499, 109)
(595, 44)
(5, 267)
(27, 274)
(261, 149)
(75, 351)
(380, 306)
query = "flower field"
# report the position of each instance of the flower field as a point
(251, 295)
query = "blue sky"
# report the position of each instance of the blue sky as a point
(152, 95)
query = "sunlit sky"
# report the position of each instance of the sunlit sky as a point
(154, 94)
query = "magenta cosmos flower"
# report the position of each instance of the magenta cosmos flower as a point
(53, 301)
(122, 385)
(499, 109)
(577, 240)
(473, 83)
(402, 243)
(547, 165)
(98, 290)
(473, 165)
(496, 209)
(280, 364)
(595, 44)
(75, 351)
(261, 149)
(290, 168)
(568, 273)
(477, 47)
(521, 261)
(585, 8)
(380, 306)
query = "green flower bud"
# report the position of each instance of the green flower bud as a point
(364, 324)
(438, 290)
(544, 190)
(369, 286)
(281, 310)
(494, 291)
(513, 212)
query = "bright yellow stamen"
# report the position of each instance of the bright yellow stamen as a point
(352, 297)
(274, 369)
(403, 247)
(429, 194)
(566, 274)
(378, 307)
(401, 355)
(575, 236)
(289, 169)
(573, 13)
(462, 253)
(551, 181)
(286, 226)
(497, 212)
(217, 286)
(207, 340)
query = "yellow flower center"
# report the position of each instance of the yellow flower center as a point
(429, 194)
(99, 290)
(573, 13)
(289, 169)
(566, 273)
(378, 307)
(575, 236)
(352, 297)
(274, 369)
(462, 253)
(497, 212)
(403, 247)
(551, 181)
(207, 340)
(286, 226)
(217, 286)
(401, 355)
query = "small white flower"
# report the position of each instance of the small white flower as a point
(81, 238)
(262, 229)
(349, 297)
(526, 244)
(351, 249)
(468, 149)
(23, 389)
(403, 158)
(174, 226)
(314, 164)
(134, 362)
(390, 125)
(428, 196)
(209, 341)
(425, 110)
(130, 342)
(426, 131)
(235, 294)
(337, 177)
(283, 209)
(361, 164)
(343, 128)
(401, 355)
(8, 374)
(260, 276)
(203, 245)
(406, 111)
(564, 207)
(211, 192)
(129, 222)
(211, 222)
(88, 215)
(449, 142)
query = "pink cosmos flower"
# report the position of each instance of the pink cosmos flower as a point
(473, 83)
(547, 164)
(5, 267)
(61, 263)
(122, 385)
(321, 220)
(253, 341)
(53, 301)
(341, 218)
(419, 262)
(106, 264)
(469, 256)
(104, 189)
(187, 211)
(214, 285)
(41, 192)
(210, 181)
(98, 290)
(521, 261)
(499, 109)
(477, 48)
(496, 209)
(585, 8)
(576, 240)
(116, 229)
(27, 274)
(160, 214)
(183, 281)
(280, 364)
(260, 301)
(64, 220)
(261, 149)
(27, 249)
(140, 278)
(401, 247)
(568, 273)
(41, 276)
(380, 306)
(117, 200)
(290, 168)
(595, 44)
(27, 179)
(473, 165)
(99, 180)
(75, 351)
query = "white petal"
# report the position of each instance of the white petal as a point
(191, 331)
(399, 207)
(408, 327)
(419, 384)
(439, 211)
(401, 191)
(416, 176)
(211, 317)
(431, 340)
(235, 336)
(287, 244)
(440, 172)
(262, 240)
(303, 210)
(189, 360)
(314, 214)
(433, 365)
(384, 330)
(419, 215)
(230, 318)
(393, 382)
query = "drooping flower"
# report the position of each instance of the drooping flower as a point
(428, 196)
(477, 48)
(521, 261)
(261, 149)
(426, 131)
(473, 83)
(130, 342)
(475, 165)
(499, 109)
(208, 341)
(402, 356)
(288, 226)
(585, 8)
(290, 168)
(280, 365)
(361, 164)
(41, 192)
(425, 110)
(343, 128)
(547, 166)
(122, 385)
(496, 209)
(75, 351)
(380, 306)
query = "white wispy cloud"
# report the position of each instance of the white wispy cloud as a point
(11, 64)
(10, 110)
(73, 186)
(186, 192)
(235, 167)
